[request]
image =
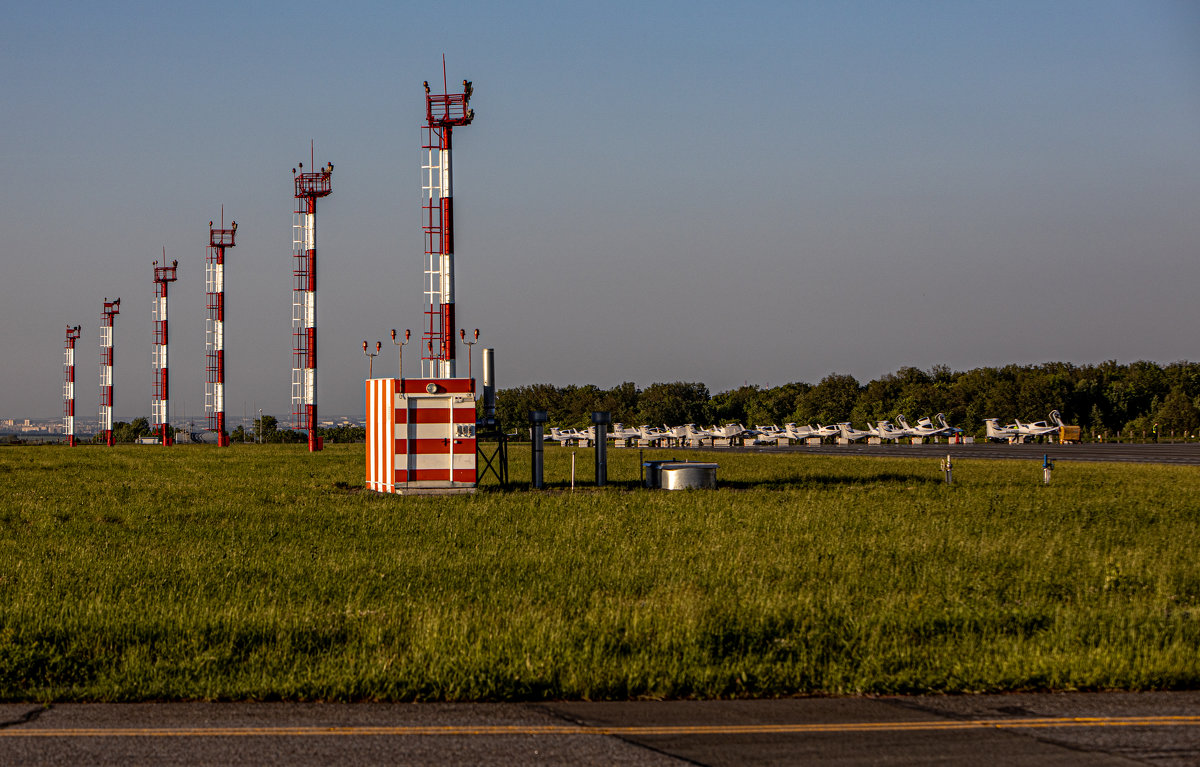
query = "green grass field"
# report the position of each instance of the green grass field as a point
(263, 572)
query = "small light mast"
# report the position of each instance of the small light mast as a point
(401, 344)
(371, 355)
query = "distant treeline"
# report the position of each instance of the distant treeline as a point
(1103, 399)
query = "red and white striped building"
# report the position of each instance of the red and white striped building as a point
(421, 431)
(214, 329)
(420, 435)
(111, 310)
(69, 385)
(160, 405)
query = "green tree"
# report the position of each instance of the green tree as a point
(830, 401)
(1177, 413)
(621, 402)
(266, 428)
(514, 405)
(131, 432)
(674, 404)
(735, 405)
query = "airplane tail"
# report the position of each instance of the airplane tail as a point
(1054, 416)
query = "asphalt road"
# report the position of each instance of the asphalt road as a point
(1053, 729)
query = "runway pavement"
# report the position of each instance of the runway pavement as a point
(1177, 453)
(1054, 729)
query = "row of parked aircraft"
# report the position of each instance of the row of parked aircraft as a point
(692, 435)
(1020, 432)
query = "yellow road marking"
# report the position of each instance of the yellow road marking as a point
(566, 729)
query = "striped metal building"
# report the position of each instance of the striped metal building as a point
(420, 435)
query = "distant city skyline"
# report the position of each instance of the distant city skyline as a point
(761, 193)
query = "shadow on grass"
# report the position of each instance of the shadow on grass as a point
(788, 483)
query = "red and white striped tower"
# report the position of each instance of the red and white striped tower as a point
(443, 113)
(111, 310)
(308, 187)
(160, 406)
(214, 328)
(69, 385)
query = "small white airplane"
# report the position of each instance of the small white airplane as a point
(695, 435)
(885, 430)
(621, 434)
(654, 435)
(1035, 429)
(927, 428)
(850, 434)
(941, 419)
(1001, 433)
(808, 432)
(565, 437)
(772, 431)
(732, 431)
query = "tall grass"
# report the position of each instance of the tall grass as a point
(264, 572)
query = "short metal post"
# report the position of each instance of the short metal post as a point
(948, 468)
(600, 421)
(1047, 467)
(538, 419)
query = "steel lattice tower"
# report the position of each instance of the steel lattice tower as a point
(69, 385)
(160, 406)
(214, 328)
(443, 113)
(308, 188)
(111, 310)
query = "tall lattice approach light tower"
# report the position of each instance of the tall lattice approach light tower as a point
(111, 310)
(69, 385)
(309, 187)
(160, 405)
(443, 113)
(219, 239)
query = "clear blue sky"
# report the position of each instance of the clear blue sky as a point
(716, 192)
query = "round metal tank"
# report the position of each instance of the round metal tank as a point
(653, 472)
(688, 476)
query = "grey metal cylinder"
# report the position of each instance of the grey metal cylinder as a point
(489, 385)
(537, 418)
(688, 476)
(601, 420)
